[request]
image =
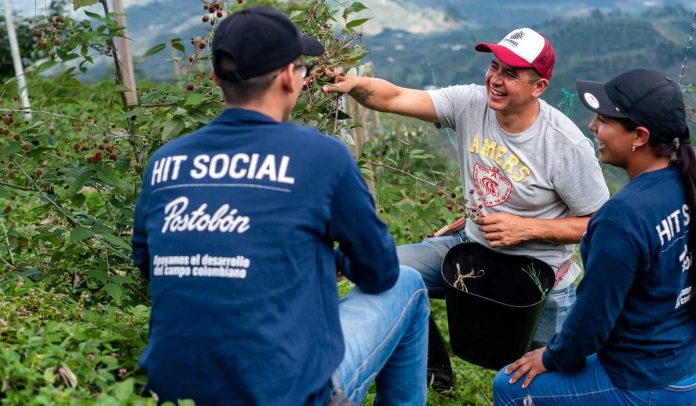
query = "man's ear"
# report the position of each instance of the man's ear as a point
(539, 87)
(287, 78)
(642, 137)
(215, 78)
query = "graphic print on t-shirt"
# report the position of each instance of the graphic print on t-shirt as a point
(491, 185)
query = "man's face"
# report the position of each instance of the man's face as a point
(509, 89)
(298, 71)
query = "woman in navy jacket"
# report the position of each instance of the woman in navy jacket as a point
(630, 338)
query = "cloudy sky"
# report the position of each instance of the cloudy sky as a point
(33, 7)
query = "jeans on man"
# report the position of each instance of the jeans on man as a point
(590, 386)
(427, 257)
(386, 338)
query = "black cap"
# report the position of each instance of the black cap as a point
(646, 97)
(259, 40)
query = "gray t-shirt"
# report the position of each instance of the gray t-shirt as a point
(548, 171)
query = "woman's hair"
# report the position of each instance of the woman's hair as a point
(684, 159)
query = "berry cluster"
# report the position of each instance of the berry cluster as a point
(49, 34)
(214, 11)
(471, 207)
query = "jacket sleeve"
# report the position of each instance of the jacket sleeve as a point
(366, 252)
(611, 264)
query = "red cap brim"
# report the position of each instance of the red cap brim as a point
(505, 55)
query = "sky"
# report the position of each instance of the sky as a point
(33, 7)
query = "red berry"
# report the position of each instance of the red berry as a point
(440, 193)
(201, 45)
(205, 19)
(205, 6)
(480, 206)
(219, 14)
(471, 191)
(98, 157)
(423, 201)
(189, 87)
(449, 207)
(113, 157)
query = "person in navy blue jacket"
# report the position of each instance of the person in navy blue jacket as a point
(630, 337)
(236, 227)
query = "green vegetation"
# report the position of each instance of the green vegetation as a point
(73, 310)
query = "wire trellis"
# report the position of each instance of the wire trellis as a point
(686, 51)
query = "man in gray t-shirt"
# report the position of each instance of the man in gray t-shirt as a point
(532, 171)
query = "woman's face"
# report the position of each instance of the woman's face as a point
(614, 141)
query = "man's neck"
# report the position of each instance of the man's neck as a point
(519, 121)
(267, 109)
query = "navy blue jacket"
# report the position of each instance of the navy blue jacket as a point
(633, 305)
(235, 228)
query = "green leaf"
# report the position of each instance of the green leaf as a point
(194, 99)
(122, 280)
(179, 47)
(108, 176)
(120, 88)
(11, 149)
(92, 15)
(356, 7)
(45, 66)
(114, 290)
(353, 8)
(157, 48)
(355, 23)
(119, 242)
(172, 129)
(31, 271)
(80, 181)
(101, 276)
(80, 233)
(123, 390)
(77, 4)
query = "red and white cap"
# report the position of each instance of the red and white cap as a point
(524, 48)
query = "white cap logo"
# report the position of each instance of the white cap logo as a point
(591, 100)
(525, 43)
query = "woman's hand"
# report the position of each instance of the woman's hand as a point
(530, 364)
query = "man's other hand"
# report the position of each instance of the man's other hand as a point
(505, 229)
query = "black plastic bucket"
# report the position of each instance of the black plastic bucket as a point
(492, 324)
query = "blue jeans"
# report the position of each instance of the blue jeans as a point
(590, 386)
(386, 338)
(426, 257)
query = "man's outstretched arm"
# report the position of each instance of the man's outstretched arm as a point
(380, 95)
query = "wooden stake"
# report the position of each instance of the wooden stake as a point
(17, 60)
(123, 46)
